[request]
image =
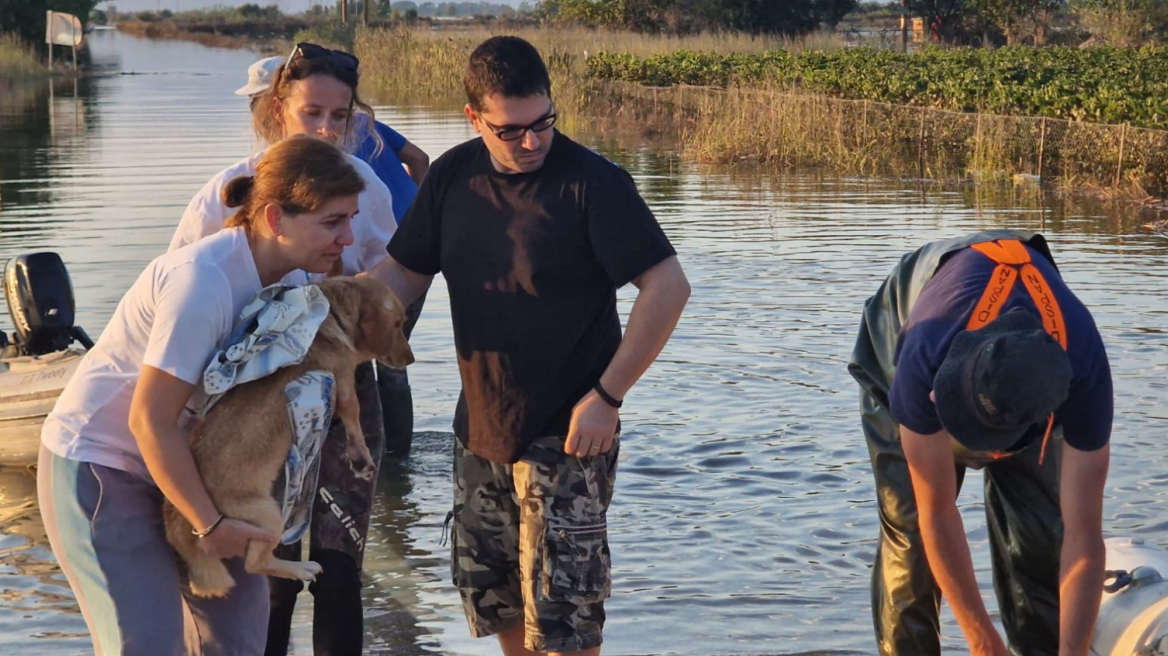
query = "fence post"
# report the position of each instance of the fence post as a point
(839, 128)
(921, 146)
(1041, 147)
(864, 129)
(1122, 143)
(977, 142)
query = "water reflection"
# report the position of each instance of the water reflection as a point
(743, 520)
(40, 124)
(36, 605)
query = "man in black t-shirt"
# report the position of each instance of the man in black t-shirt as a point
(534, 234)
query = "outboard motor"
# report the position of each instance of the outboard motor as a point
(40, 300)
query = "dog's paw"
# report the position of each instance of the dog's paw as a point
(361, 460)
(309, 570)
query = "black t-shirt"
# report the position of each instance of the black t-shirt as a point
(532, 262)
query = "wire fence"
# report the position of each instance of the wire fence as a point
(780, 127)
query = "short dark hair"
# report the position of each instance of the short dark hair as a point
(508, 66)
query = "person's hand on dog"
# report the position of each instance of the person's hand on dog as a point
(231, 537)
(592, 428)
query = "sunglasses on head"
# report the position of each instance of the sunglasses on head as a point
(310, 51)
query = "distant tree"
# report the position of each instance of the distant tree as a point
(249, 10)
(758, 16)
(1016, 18)
(98, 17)
(27, 17)
(943, 18)
(1123, 22)
(411, 15)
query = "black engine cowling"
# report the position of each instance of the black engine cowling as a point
(40, 301)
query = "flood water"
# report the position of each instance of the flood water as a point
(744, 519)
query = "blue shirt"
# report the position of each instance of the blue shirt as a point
(943, 310)
(387, 165)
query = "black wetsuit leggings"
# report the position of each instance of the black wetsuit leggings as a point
(340, 524)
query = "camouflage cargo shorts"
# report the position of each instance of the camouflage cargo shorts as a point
(529, 543)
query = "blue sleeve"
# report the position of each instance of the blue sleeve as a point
(392, 138)
(919, 356)
(1087, 415)
(939, 313)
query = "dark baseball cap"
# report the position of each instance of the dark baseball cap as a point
(998, 381)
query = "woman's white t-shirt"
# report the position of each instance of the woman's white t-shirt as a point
(373, 224)
(175, 317)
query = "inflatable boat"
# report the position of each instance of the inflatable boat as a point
(1133, 614)
(41, 355)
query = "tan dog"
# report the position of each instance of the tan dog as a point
(243, 442)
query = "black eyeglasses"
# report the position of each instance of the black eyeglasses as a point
(512, 133)
(312, 51)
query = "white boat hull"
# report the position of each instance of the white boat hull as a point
(1134, 620)
(29, 387)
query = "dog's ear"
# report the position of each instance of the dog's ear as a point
(331, 328)
(382, 317)
(344, 303)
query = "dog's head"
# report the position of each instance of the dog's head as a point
(370, 316)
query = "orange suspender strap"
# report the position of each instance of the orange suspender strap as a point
(1011, 255)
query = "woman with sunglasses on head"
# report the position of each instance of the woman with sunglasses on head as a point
(315, 93)
(113, 448)
(401, 165)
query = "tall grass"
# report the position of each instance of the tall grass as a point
(18, 60)
(775, 126)
(773, 122)
(420, 66)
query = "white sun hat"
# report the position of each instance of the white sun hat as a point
(259, 76)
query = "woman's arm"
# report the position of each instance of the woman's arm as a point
(416, 160)
(159, 399)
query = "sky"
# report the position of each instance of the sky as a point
(287, 6)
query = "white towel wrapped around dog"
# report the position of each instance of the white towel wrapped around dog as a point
(274, 331)
(310, 411)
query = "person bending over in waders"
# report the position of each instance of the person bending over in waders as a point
(974, 353)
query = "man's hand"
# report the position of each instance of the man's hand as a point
(231, 537)
(405, 284)
(593, 427)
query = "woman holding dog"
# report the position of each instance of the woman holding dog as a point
(315, 93)
(113, 449)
